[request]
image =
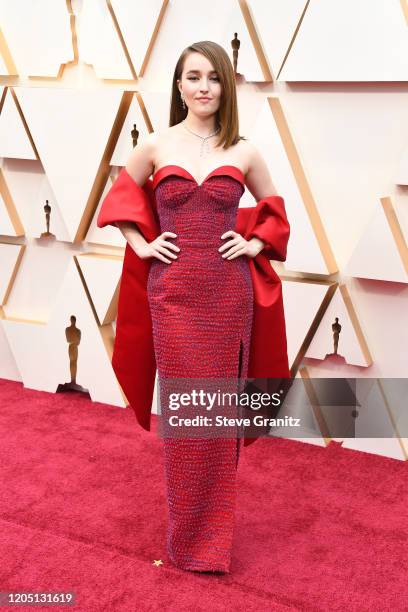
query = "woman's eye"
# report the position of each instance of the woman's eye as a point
(194, 78)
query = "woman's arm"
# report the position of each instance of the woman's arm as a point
(259, 183)
(139, 166)
(132, 235)
(258, 179)
(271, 217)
(127, 206)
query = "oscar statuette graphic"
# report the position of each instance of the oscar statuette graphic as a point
(47, 210)
(73, 337)
(235, 44)
(135, 135)
(336, 329)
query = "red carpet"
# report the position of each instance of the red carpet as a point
(83, 509)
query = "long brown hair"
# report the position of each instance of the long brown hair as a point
(227, 114)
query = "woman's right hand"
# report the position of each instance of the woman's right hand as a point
(159, 248)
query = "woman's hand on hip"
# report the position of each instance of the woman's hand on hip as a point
(237, 246)
(160, 248)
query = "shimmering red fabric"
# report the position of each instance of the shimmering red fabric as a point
(201, 307)
(198, 311)
(201, 304)
(133, 358)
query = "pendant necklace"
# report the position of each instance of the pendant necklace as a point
(205, 148)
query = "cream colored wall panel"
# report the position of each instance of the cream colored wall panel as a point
(8, 366)
(38, 280)
(351, 344)
(94, 371)
(157, 105)
(3, 68)
(41, 349)
(109, 235)
(304, 252)
(32, 358)
(376, 255)
(70, 142)
(137, 22)
(14, 141)
(24, 179)
(404, 6)
(9, 255)
(37, 223)
(382, 309)
(350, 41)
(32, 29)
(124, 145)
(400, 206)
(6, 226)
(299, 320)
(276, 22)
(222, 19)
(99, 43)
(350, 143)
(7, 64)
(402, 170)
(102, 275)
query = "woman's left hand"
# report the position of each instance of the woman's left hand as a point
(237, 245)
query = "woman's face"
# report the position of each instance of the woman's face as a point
(199, 80)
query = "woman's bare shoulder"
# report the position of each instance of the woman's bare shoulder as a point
(164, 134)
(143, 158)
(244, 151)
(154, 140)
(140, 162)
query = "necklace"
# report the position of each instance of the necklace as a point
(204, 145)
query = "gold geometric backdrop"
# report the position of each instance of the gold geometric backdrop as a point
(325, 101)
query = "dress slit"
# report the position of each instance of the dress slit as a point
(240, 360)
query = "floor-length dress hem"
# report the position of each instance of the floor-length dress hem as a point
(201, 306)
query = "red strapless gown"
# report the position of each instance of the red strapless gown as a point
(201, 307)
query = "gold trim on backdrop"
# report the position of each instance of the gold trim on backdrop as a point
(121, 39)
(404, 6)
(7, 57)
(104, 169)
(256, 41)
(24, 122)
(13, 274)
(303, 185)
(10, 206)
(331, 289)
(293, 38)
(396, 230)
(356, 324)
(112, 310)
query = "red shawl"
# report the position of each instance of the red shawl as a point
(133, 357)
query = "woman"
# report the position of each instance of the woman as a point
(199, 288)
